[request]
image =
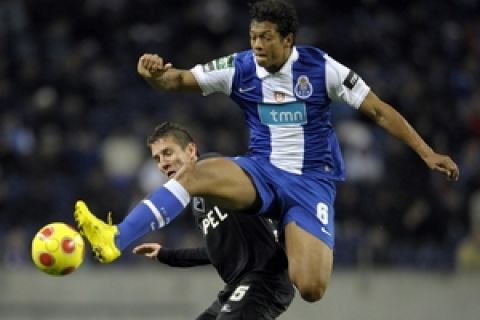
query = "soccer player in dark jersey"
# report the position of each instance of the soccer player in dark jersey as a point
(243, 248)
(294, 160)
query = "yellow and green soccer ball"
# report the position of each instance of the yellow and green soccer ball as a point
(58, 249)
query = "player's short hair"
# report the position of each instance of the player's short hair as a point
(170, 129)
(278, 12)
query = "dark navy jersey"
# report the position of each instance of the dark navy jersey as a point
(238, 243)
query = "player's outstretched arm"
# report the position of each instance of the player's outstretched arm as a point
(388, 118)
(162, 76)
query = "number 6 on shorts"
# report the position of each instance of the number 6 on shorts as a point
(322, 213)
(239, 293)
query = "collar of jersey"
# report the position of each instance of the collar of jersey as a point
(262, 73)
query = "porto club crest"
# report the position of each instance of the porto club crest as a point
(303, 88)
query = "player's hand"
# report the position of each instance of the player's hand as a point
(151, 66)
(149, 250)
(444, 164)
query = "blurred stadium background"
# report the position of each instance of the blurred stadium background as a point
(74, 116)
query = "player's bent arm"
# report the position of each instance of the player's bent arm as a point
(162, 76)
(174, 80)
(392, 121)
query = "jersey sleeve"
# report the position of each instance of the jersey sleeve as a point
(184, 258)
(344, 85)
(215, 76)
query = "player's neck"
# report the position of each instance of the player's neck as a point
(276, 67)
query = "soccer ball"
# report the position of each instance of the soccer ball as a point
(58, 249)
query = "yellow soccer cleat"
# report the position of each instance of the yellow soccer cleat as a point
(101, 235)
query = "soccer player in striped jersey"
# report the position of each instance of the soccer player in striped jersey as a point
(285, 91)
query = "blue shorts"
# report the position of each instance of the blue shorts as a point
(306, 199)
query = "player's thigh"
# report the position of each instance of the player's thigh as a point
(310, 232)
(221, 180)
(250, 301)
(309, 258)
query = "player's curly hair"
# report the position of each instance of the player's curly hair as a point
(278, 12)
(170, 129)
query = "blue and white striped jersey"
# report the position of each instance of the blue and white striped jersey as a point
(288, 112)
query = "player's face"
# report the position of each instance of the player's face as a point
(170, 156)
(270, 48)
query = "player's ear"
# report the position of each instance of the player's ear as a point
(288, 40)
(191, 150)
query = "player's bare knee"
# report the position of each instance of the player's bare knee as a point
(310, 289)
(312, 292)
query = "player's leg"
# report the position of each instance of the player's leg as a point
(218, 178)
(309, 233)
(309, 262)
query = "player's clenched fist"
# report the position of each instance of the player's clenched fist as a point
(152, 66)
(163, 76)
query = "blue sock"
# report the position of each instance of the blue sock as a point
(152, 213)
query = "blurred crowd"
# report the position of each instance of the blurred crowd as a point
(74, 116)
